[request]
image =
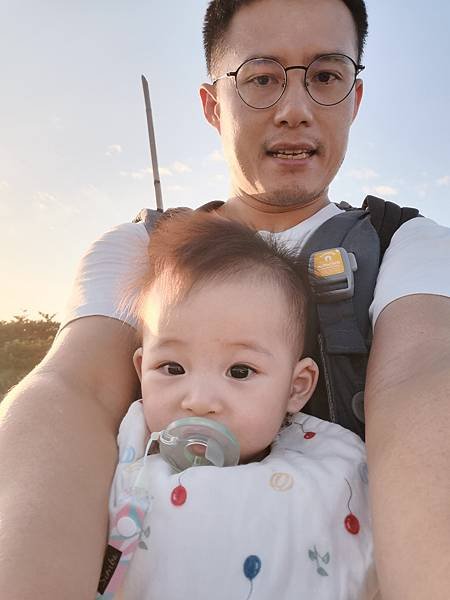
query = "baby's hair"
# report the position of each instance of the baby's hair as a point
(188, 249)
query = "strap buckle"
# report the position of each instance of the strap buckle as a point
(330, 274)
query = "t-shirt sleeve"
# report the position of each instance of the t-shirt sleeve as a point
(104, 278)
(416, 262)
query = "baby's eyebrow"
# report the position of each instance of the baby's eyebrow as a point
(253, 346)
(167, 343)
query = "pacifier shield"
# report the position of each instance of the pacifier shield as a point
(196, 441)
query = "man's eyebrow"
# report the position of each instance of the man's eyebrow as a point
(279, 59)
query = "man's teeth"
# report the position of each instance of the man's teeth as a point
(292, 155)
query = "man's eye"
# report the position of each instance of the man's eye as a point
(263, 80)
(240, 372)
(325, 77)
(172, 368)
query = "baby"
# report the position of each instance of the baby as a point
(221, 313)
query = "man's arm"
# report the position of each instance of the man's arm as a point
(58, 453)
(408, 441)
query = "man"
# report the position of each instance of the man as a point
(283, 147)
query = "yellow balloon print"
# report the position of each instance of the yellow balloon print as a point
(281, 482)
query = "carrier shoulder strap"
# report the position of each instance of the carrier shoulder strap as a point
(386, 217)
(150, 216)
(339, 329)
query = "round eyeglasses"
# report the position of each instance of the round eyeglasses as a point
(328, 79)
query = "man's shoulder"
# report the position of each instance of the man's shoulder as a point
(416, 262)
(126, 237)
(131, 229)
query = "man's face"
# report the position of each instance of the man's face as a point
(293, 32)
(223, 353)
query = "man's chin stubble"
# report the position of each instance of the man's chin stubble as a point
(290, 198)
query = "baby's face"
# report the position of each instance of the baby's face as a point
(222, 353)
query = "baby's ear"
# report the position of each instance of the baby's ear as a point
(137, 361)
(304, 381)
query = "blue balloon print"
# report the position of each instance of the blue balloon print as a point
(252, 566)
(128, 455)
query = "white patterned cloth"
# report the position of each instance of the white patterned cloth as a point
(295, 525)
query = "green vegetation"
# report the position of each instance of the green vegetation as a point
(23, 343)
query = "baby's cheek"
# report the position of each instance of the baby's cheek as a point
(257, 441)
(149, 414)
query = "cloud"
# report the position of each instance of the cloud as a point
(113, 149)
(444, 180)
(4, 185)
(363, 174)
(48, 203)
(177, 167)
(140, 174)
(93, 195)
(44, 201)
(385, 190)
(175, 188)
(165, 172)
(136, 174)
(180, 167)
(216, 156)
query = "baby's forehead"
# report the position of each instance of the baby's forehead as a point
(241, 298)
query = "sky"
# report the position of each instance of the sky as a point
(74, 155)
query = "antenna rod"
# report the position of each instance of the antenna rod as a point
(151, 137)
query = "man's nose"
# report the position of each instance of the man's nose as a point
(202, 399)
(295, 105)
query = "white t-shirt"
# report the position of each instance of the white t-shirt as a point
(416, 262)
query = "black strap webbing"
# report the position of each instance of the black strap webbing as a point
(386, 217)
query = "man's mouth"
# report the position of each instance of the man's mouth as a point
(292, 154)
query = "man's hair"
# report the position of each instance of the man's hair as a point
(188, 249)
(220, 13)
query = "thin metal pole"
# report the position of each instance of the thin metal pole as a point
(151, 137)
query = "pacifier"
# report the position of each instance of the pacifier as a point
(196, 441)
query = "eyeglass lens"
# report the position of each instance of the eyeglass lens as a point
(329, 79)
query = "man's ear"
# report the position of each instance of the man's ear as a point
(304, 381)
(137, 361)
(359, 89)
(211, 107)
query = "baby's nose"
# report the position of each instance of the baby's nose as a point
(202, 400)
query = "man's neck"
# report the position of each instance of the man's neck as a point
(265, 217)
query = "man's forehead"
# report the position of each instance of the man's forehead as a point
(290, 30)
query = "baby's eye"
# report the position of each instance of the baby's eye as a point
(172, 368)
(240, 372)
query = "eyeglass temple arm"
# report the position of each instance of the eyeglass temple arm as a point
(229, 74)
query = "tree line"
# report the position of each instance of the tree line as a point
(23, 344)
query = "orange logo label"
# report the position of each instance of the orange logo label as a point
(328, 262)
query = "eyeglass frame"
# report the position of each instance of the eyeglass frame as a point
(358, 69)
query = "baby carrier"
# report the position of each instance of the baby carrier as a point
(340, 263)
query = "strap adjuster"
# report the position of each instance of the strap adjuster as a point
(330, 274)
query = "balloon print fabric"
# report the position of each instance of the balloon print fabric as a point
(294, 525)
